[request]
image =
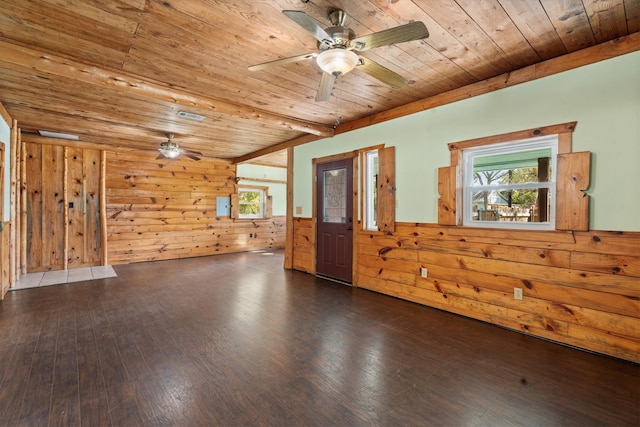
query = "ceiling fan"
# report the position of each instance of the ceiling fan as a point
(337, 45)
(171, 150)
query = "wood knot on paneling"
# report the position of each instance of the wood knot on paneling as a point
(564, 308)
(384, 250)
(437, 286)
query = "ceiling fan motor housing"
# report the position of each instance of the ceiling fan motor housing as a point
(341, 36)
(169, 145)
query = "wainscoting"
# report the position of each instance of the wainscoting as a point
(579, 288)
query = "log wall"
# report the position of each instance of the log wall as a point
(160, 209)
(579, 288)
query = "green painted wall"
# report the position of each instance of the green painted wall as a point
(277, 190)
(604, 98)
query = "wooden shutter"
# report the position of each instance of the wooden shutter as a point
(386, 210)
(268, 206)
(447, 200)
(235, 211)
(572, 205)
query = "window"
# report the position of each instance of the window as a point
(371, 190)
(511, 184)
(251, 202)
(566, 207)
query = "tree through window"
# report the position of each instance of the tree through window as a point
(251, 202)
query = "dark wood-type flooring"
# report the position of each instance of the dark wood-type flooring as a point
(237, 340)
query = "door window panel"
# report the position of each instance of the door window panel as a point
(335, 196)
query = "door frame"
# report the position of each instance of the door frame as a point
(354, 156)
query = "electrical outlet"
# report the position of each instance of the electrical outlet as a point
(423, 271)
(298, 210)
(517, 293)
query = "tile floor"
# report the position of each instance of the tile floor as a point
(57, 277)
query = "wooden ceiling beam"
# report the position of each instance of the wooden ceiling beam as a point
(277, 147)
(37, 139)
(119, 80)
(590, 55)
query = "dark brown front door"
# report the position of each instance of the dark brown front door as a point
(334, 215)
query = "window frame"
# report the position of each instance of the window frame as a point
(468, 188)
(262, 204)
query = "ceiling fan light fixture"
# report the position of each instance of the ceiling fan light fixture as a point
(169, 149)
(337, 61)
(169, 152)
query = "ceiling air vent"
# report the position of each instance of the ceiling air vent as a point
(58, 135)
(190, 115)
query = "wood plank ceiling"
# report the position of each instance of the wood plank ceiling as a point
(117, 72)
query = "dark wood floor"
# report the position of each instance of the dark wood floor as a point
(237, 340)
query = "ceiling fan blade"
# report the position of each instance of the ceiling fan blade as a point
(325, 87)
(195, 153)
(404, 33)
(306, 22)
(282, 61)
(160, 156)
(381, 73)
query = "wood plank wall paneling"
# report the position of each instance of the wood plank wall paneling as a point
(580, 288)
(85, 243)
(159, 209)
(34, 239)
(5, 259)
(62, 207)
(303, 242)
(53, 202)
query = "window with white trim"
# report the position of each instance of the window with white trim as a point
(511, 184)
(251, 202)
(371, 190)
